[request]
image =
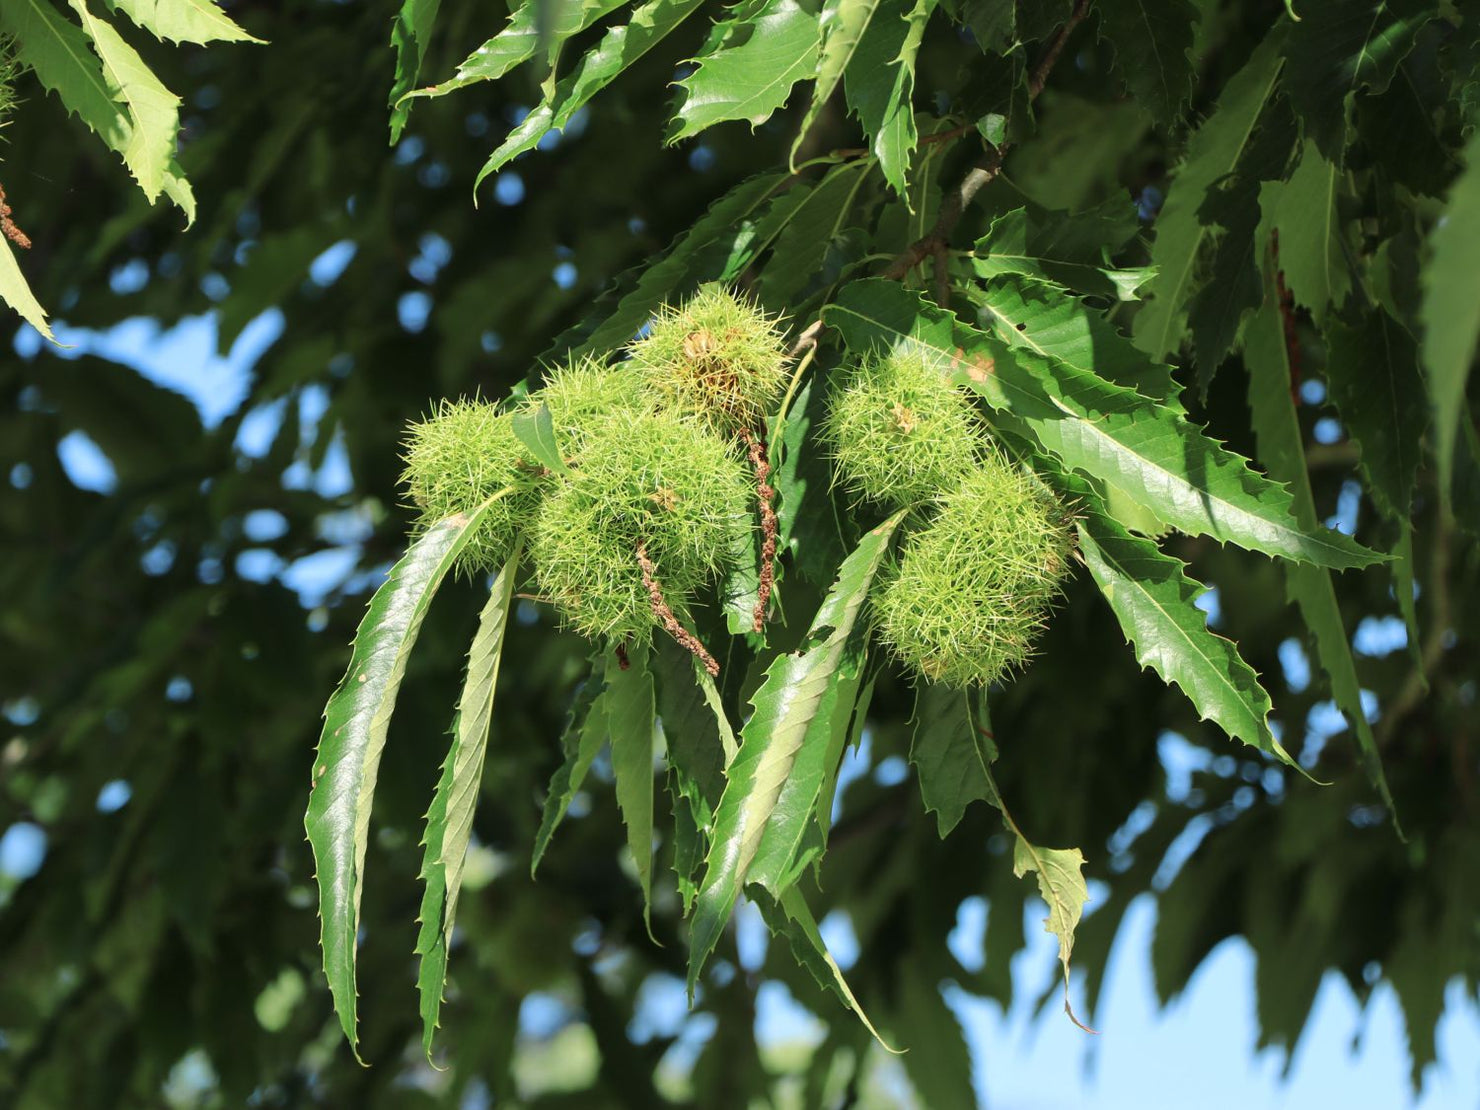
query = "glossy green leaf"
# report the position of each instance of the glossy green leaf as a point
(197, 21)
(631, 722)
(1152, 39)
(348, 758)
(1282, 450)
(844, 23)
(410, 34)
(880, 85)
(1451, 308)
(450, 818)
(752, 72)
(536, 430)
(808, 231)
(1213, 152)
(772, 785)
(585, 733)
(535, 26)
(1050, 321)
(1156, 604)
(17, 294)
(1017, 243)
(153, 111)
(1146, 450)
(618, 49)
(951, 754)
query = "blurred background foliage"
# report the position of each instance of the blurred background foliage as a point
(197, 495)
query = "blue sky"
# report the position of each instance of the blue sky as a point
(1196, 1053)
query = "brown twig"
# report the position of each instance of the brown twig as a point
(664, 613)
(7, 225)
(937, 241)
(765, 494)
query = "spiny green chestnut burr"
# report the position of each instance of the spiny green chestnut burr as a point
(899, 432)
(974, 586)
(715, 357)
(653, 500)
(459, 457)
(582, 393)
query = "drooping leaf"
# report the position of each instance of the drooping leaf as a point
(17, 294)
(153, 111)
(1152, 39)
(788, 915)
(348, 758)
(410, 34)
(1050, 321)
(1451, 308)
(1339, 48)
(1061, 884)
(1017, 243)
(809, 230)
(631, 721)
(450, 819)
(844, 23)
(585, 733)
(58, 52)
(1314, 252)
(1282, 450)
(535, 25)
(1146, 450)
(951, 754)
(772, 785)
(1372, 375)
(751, 73)
(619, 48)
(536, 430)
(1156, 604)
(1213, 152)
(880, 85)
(197, 21)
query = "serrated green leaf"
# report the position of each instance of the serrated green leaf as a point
(631, 721)
(789, 915)
(751, 73)
(951, 755)
(1050, 321)
(1339, 47)
(450, 818)
(153, 111)
(810, 228)
(537, 25)
(348, 758)
(1282, 450)
(1146, 450)
(1451, 308)
(197, 21)
(536, 430)
(618, 49)
(1019, 244)
(694, 727)
(1156, 605)
(1314, 252)
(1213, 152)
(880, 85)
(1373, 379)
(17, 294)
(843, 25)
(410, 34)
(772, 785)
(585, 733)
(1061, 884)
(809, 525)
(1152, 39)
(58, 53)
